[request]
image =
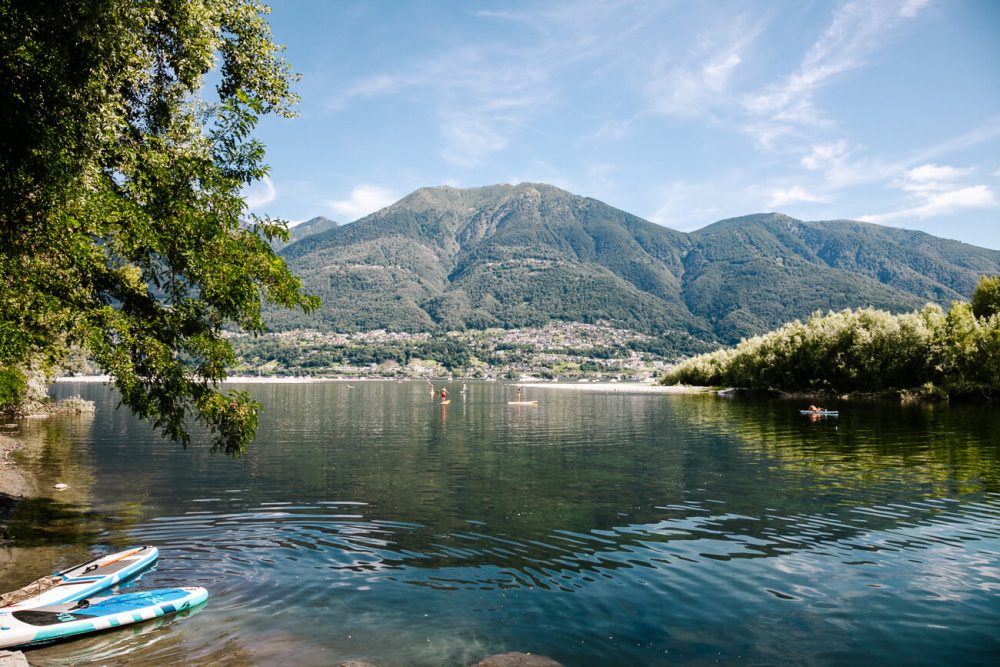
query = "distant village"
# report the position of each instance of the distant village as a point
(561, 350)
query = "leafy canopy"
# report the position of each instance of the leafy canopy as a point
(120, 211)
(986, 298)
(957, 353)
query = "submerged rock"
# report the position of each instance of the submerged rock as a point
(13, 659)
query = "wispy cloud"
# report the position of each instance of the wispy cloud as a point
(480, 92)
(494, 87)
(858, 30)
(362, 200)
(941, 203)
(795, 194)
(911, 8)
(929, 178)
(689, 205)
(260, 194)
(837, 164)
(936, 190)
(692, 88)
(372, 86)
(469, 139)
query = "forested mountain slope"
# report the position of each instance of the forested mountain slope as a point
(516, 256)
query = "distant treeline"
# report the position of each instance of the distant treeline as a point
(867, 350)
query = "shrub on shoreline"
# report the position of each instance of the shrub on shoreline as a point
(864, 350)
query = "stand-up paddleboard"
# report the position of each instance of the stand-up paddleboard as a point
(826, 413)
(91, 577)
(24, 627)
(446, 401)
(522, 402)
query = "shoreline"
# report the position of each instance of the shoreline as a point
(607, 387)
(234, 379)
(617, 387)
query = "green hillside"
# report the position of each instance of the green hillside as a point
(517, 256)
(316, 225)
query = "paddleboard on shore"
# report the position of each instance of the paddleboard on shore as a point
(91, 577)
(25, 627)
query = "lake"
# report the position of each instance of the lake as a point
(369, 523)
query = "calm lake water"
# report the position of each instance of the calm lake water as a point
(369, 523)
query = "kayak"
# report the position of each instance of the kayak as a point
(828, 413)
(95, 575)
(25, 627)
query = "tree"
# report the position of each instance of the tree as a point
(122, 226)
(986, 297)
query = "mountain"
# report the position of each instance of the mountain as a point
(747, 275)
(517, 256)
(312, 226)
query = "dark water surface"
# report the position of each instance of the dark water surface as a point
(368, 523)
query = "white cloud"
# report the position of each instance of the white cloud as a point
(935, 190)
(468, 140)
(687, 205)
(911, 8)
(694, 78)
(833, 161)
(858, 29)
(793, 195)
(260, 194)
(373, 86)
(941, 203)
(840, 169)
(362, 200)
(822, 156)
(691, 89)
(930, 178)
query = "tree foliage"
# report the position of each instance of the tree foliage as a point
(986, 297)
(120, 196)
(862, 350)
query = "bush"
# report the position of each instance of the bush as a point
(986, 298)
(863, 350)
(13, 389)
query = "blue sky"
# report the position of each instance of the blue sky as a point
(683, 113)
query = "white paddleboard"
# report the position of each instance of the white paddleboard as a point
(92, 577)
(24, 627)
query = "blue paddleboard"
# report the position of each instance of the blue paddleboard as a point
(25, 627)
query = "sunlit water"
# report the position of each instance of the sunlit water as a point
(369, 523)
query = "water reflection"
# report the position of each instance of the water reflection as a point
(372, 523)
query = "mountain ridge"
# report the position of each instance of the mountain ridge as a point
(522, 255)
